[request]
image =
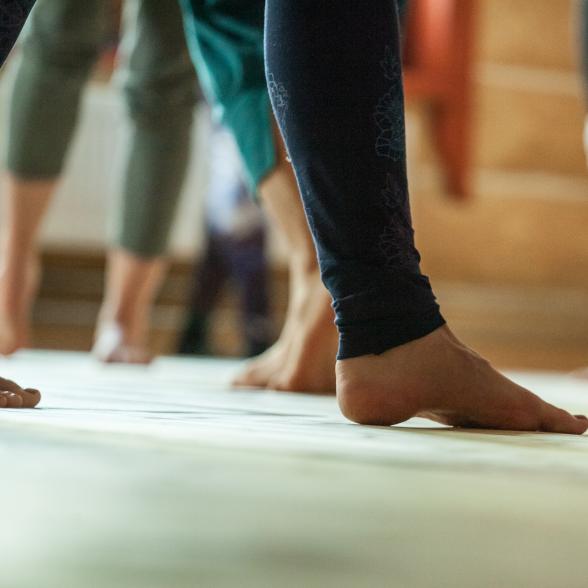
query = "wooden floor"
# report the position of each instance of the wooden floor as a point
(163, 477)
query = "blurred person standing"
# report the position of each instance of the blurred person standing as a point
(234, 254)
(59, 51)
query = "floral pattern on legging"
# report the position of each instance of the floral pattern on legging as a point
(397, 240)
(389, 113)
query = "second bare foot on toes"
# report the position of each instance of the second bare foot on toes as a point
(259, 371)
(303, 359)
(439, 378)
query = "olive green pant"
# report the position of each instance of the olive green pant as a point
(60, 49)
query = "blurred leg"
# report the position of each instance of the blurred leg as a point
(57, 56)
(160, 90)
(250, 271)
(208, 281)
(226, 40)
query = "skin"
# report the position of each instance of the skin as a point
(13, 396)
(439, 378)
(131, 285)
(303, 358)
(24, 207)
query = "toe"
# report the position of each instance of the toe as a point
(3, 399)
(14, 400)
(9, 386)
(250, 378)
(30, 397)
(556, 420)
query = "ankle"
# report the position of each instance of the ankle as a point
(111, 314)
(304, 265)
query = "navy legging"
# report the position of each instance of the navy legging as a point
(334, 75)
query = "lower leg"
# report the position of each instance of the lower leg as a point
(160, 90)
(303, 358)
(24, 206)
(123, 325)
(58, 53)
(340, 109)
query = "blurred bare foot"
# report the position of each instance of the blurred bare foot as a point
(116, 344)
(303, 358)
(13, 396)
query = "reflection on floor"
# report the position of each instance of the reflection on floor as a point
(163, 477)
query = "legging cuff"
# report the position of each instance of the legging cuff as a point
(374, 338)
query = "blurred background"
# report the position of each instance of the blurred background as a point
(495, 116)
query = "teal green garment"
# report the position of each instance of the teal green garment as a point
(225, 38)
(59, 52)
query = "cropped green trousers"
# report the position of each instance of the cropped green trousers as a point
(60, 48)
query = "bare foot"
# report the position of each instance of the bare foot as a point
(19, 281)
(303, 358)
(122, 332)
(115, 343)
(13, 396)
(439, 378)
